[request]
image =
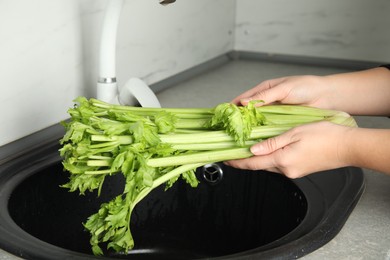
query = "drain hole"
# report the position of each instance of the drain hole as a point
(212, 173)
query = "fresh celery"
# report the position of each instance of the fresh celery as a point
(153, 146)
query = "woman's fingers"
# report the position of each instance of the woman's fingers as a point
(255, 162)
(265, 91)
(273, 144)
(266, 153)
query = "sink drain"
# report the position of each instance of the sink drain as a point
(212, 173)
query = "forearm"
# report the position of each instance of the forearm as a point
(367, 148)
(361, 93)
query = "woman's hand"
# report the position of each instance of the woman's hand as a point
(364, 92)
(300, 151)
(297, 90)
(322, 146)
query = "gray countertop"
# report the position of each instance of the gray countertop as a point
(365, 235)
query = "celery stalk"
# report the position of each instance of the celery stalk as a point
(155, 146)
(208, 156)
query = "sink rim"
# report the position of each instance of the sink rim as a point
(322, 231)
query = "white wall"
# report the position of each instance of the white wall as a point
(48, 51)
(48, 48)
(342, 29)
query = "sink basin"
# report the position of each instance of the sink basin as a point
(243, 215)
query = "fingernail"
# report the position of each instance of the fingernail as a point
(245, 100)
(256, 149)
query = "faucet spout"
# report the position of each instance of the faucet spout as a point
(135, 90)
(107, 85)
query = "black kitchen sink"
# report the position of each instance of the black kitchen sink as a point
(235, 214)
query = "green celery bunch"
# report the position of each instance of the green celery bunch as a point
(155, 146)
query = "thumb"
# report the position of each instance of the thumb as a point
(268, 91)
(272, 144)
